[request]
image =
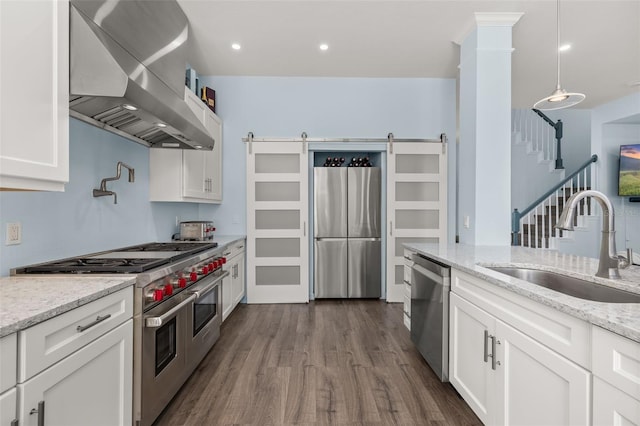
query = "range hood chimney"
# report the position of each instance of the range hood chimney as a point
(127, 70)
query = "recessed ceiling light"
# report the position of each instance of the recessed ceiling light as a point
(198, 146)
(129, 107)
(236, 46)
(161, 125)
(324, 46)
(564, 47)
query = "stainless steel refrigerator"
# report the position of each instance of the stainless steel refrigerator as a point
(347, 247)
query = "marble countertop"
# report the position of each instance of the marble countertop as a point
(621, 318)
(28, 300)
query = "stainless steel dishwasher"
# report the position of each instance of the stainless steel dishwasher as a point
(430, 285)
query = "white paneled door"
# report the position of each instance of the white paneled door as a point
(277, 222)
(416, 203)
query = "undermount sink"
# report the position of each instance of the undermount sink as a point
(570, 285)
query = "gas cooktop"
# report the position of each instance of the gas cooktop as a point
(127, 260)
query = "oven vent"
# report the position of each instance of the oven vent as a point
(127, 63)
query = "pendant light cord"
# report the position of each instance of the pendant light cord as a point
(558, 40)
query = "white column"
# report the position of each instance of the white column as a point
(485, 131)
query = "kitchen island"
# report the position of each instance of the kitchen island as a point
(620, 318)
(520, 353)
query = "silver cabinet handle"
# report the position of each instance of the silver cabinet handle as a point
(494, 360)
(155, 322)
(40, 412)
(97, 321)
(486, 346)
(14, 422)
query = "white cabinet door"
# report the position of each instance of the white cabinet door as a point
(469, 362)
(34, 94)
(237, 279)
(93, 386)
(612, 407)
(277, 219)
(416, 203)
(507, 378)
(535, 385)
(194, 166)
(8, 404)
(227, 297)
(213, 160)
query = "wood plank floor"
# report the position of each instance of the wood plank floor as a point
(330, 362)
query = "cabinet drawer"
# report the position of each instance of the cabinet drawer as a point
(407, 273)
(407, 306)
(563, 333)
(233, 250)
(407, 321)
(8, 361)
(48, 342)
(616, 360)
(613, 407)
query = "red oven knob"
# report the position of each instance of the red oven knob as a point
(224, 260)
(193, 276)
(182, 282)
(216, 264)
(213, 266)
(205, 270)
(158, 294)
(168, 290)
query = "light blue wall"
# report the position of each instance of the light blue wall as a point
(322, 107)
(63, 224)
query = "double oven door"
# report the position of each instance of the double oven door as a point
(176, 335)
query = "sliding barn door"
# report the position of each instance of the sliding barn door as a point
(416, 204)
(277, 234)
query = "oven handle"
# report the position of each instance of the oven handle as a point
(202, 291)
(155, 322)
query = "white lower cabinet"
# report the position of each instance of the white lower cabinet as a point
(616, 381)
(507, 377)
(8, 403)
(233, 289)
(92, 386)
(612, 407)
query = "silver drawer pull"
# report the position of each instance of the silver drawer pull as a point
(40, 412)
(486, 346)
(98, 320)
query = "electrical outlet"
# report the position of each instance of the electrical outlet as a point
(14, 233)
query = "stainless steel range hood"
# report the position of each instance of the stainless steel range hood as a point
(132, 54)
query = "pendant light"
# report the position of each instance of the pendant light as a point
(559, 98)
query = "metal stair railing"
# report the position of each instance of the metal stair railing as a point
(538, 232)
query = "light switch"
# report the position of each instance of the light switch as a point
(466, 222)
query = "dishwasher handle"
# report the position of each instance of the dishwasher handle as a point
(432, 266)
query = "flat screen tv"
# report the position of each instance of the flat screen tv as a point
(629, 178)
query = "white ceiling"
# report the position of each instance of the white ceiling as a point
(416, 39)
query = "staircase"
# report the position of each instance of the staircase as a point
(533, 172)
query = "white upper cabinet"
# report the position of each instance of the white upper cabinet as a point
(34, 95)
(189, 175)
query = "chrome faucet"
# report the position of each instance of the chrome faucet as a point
(609, 259)
(103, 184)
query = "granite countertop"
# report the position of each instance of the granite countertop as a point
(28, 300)
(225, 240)
(620, 318)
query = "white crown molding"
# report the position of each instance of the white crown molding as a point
(487, 19)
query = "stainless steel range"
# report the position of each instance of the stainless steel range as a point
(177, 311)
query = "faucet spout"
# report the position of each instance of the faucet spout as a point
(103, 183)
(609, 260)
